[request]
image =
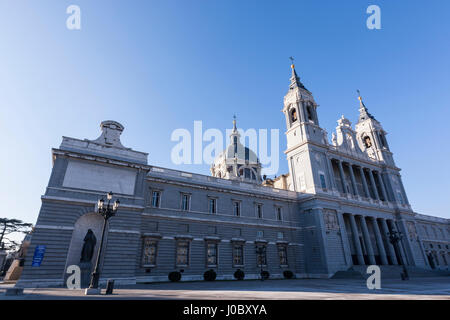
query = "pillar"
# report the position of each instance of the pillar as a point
(330, 169)
(355, 234)
(374, 186)
(383, 189)
(341, 172)
(379, 240)
(391, 251)
(344, 239)
(363, 179)
(367, 241)
(352, 177)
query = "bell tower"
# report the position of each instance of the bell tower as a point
(300, 110)
(306, 140)
(371, 137)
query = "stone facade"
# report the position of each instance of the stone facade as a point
(332, 211)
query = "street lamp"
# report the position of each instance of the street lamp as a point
(260, 251)
(394, 238)
(107, 211)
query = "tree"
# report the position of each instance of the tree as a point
(8, 226)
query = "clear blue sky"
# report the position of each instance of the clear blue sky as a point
(155, 66)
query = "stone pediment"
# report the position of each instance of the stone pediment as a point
(107, 145)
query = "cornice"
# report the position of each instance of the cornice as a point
(212, 219)
(86, 202)
(199, 185)
(99, 159)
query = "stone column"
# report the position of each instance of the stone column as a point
(359, 253)
(341, 172)
(367, 241)
(383, 189)
(374, 186)
(379, 240)
(332, 178)
(352, 177)
(344, 239)
(363, 179)
(391, 250)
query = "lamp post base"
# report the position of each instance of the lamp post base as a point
(92, 291)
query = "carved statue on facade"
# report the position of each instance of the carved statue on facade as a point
(88, 247)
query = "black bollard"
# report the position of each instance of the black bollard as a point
(109, 286)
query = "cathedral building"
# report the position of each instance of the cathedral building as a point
(332, 212)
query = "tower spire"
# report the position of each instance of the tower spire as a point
(364, 113)
(295, 79)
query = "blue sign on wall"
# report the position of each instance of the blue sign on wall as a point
(38, 256)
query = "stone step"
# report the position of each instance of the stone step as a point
(389, 272)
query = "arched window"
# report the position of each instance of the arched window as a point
(367, 142)
(247, 173)
(293, 115)
(383, 140)
(309, 113)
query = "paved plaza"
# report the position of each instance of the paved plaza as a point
(298, 289)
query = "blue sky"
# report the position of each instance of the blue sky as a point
(156, 66)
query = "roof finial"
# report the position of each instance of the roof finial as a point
(292, 62)
(234, 122)
(359, 95)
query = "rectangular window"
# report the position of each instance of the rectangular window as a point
(237, 208)
(182, 253)
(259, 234)
(212, 205)
(259, 213)
(149, 252)
(279, 215)
(282, 253)
(185, 201)
(156, 198)
(280, 235)
(261, 255)
(211, 253)
(322, 181)
(238, 254)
